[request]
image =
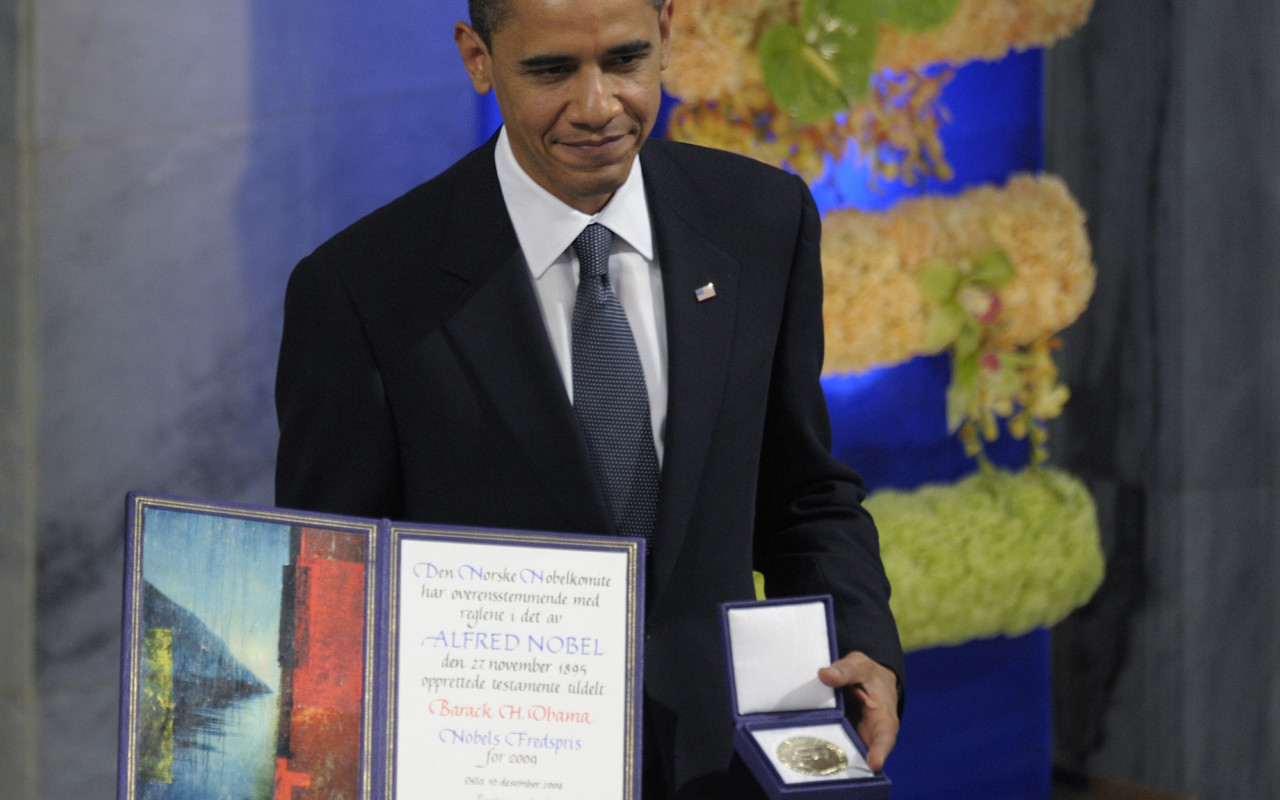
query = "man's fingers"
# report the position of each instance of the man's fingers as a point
(876, 688)
(857, 669)
(832, 676)
(879, 730)
(853, 669)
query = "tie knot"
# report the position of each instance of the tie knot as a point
(592, 246)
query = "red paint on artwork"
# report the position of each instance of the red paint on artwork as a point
(327, 680)
(330, 675)
(287, 780)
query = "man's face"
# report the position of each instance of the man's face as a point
(578, 85)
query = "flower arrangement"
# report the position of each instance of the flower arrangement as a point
(982, 30)
(990, 275)
(714, 42)
(877, 311)
(793, 81)
(997, 553)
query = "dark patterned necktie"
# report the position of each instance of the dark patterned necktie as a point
(609, 395)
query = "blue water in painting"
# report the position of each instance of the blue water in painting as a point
(224, 574)
(229, 755)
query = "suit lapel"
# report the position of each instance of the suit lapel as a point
(499, 334)
(498, 331)
(699, 340)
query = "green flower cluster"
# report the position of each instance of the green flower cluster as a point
(822, 65)
(997, 553)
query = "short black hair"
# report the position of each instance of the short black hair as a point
(487, 16)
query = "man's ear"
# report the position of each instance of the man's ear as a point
(475, 57)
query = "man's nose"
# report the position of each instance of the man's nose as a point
(596, 102)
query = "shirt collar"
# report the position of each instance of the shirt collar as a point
(546, 226)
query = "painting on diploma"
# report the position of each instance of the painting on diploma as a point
(247, 646)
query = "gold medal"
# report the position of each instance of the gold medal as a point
(812, 756)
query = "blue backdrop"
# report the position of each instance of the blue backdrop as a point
(977, 724)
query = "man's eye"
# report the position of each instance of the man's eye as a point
(554, 70)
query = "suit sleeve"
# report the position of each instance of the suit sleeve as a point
(337, 450)
(812, 534)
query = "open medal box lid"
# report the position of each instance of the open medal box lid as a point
(789, 728)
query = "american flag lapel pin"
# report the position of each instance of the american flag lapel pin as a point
(705, 292)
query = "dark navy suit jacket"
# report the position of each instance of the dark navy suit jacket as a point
(416, 382)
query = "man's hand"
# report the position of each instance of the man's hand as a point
(876, 687)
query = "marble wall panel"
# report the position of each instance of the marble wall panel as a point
(119, 68)
(140, 306)
(9, 29)
(189, 154)
(116, 68)
(18, 703)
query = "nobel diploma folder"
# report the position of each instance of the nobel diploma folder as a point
(268, 652)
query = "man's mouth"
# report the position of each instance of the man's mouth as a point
(601, 145)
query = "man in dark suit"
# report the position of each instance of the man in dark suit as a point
(425, 371)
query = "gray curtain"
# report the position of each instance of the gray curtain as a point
(1162, 117)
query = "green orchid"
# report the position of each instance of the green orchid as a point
(916, 15)
(822, 66)
(965, 303)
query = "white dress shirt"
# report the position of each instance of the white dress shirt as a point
(546, 228)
